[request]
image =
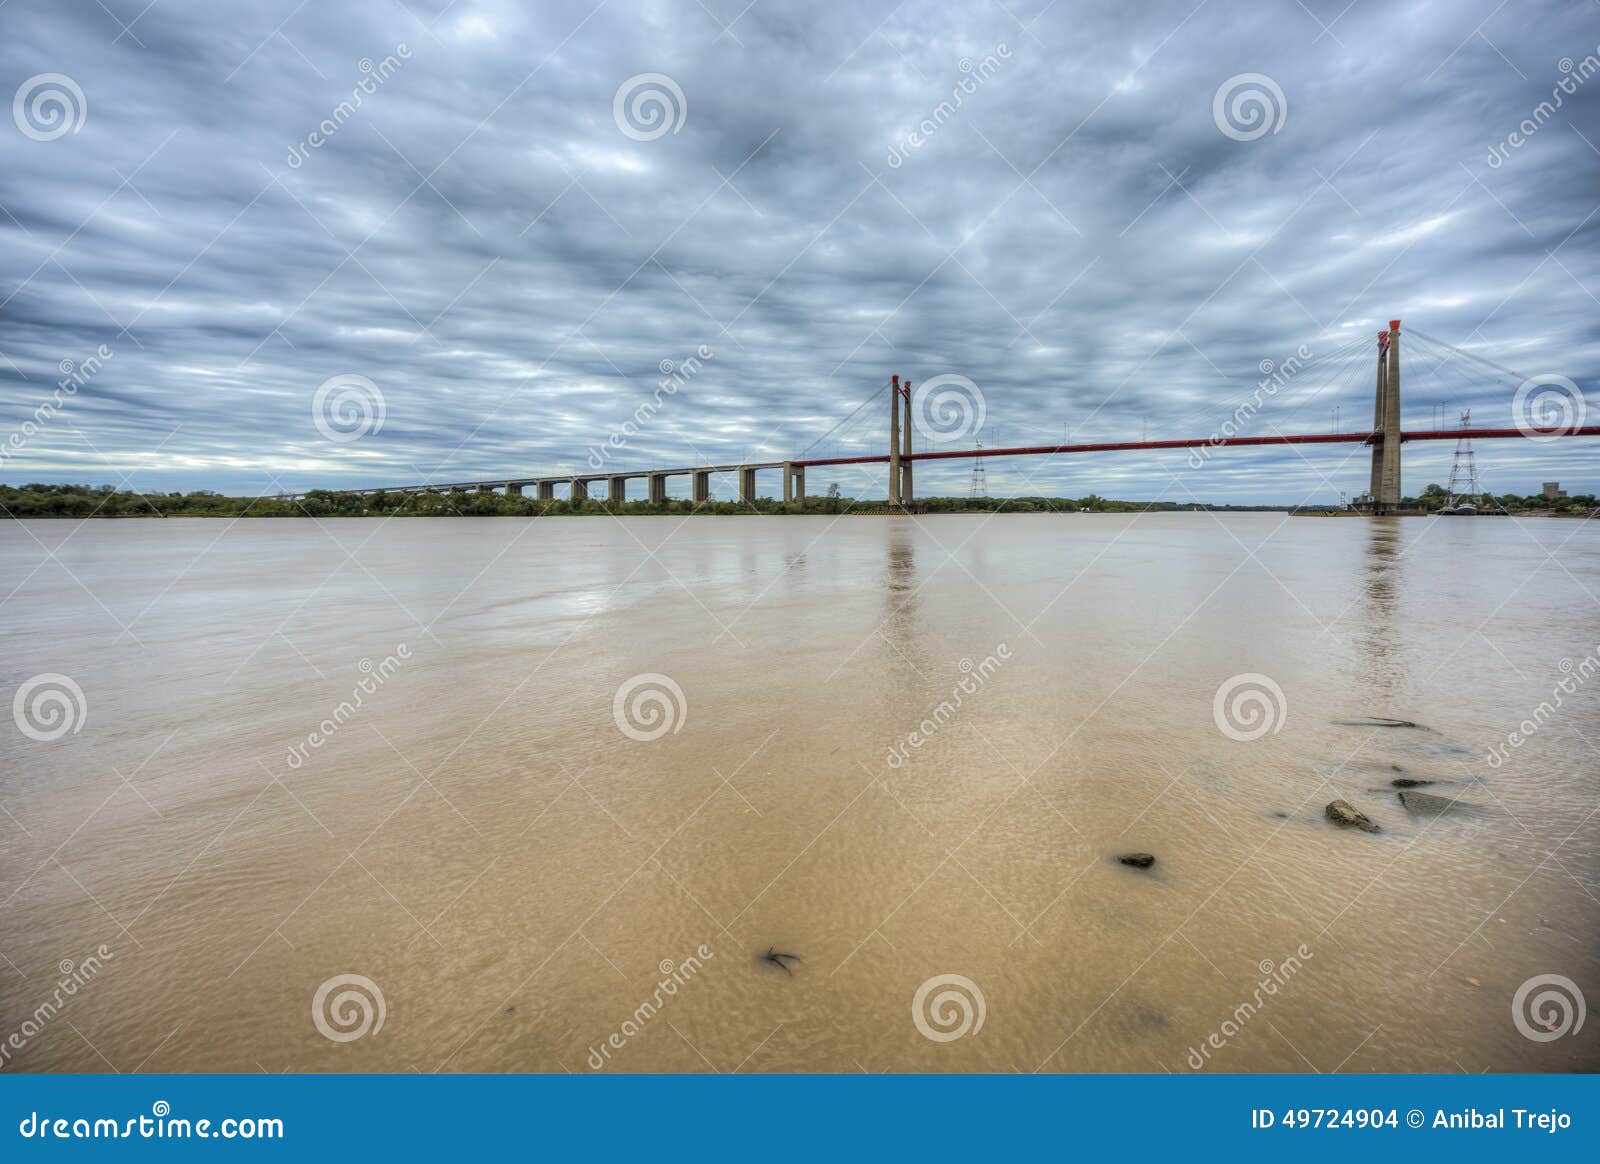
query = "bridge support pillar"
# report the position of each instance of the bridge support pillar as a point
(1389, 488)
(547, 490)
(906, 491)
(747, 486)
(513, 490)
(894, 443)
(658, 488)
(580, 491)
(702, 487)
(617, 490)
(1375, 485)
(797, 478)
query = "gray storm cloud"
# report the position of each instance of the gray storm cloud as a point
(454, 201)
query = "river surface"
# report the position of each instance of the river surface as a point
(320, 765)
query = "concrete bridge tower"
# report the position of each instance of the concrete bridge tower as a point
(1385, 480)
(894, 440)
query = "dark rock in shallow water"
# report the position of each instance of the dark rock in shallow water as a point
(1137, 860)
(1342, 812)
(1376, 721)
(1427, 804)
(1411, 782)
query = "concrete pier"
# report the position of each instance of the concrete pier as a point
(797, 477)
(547, 490)
(1376, 480)
(513, 490)
(907, 493)
(617, 490)
(701, 489)
(747, 485)
(658, 488)
(894, 443)
(580, 490)
(1389, 492)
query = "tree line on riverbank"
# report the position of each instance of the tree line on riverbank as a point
(104, 501)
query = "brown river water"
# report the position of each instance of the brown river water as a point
(383, 795)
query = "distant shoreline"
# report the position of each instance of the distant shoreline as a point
(82, 502)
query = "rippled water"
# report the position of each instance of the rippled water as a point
(483, 844)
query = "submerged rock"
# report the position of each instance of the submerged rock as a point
(1427, 804)
(1137, 860)
(1411, 782)
(1376, 721)
(1345, 814)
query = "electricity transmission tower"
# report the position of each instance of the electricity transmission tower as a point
(980, 484)
(1464, 482)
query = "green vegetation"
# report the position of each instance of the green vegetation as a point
(1434, 497)
(80, 501)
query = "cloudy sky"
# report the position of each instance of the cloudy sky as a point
(467, 203)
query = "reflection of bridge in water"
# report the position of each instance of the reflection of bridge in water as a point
(1385, 437)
